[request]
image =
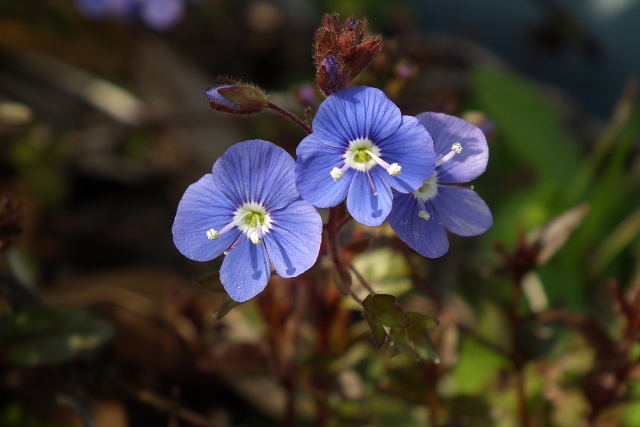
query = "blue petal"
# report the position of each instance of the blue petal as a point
(447, 130)
(462, 211)
(427, 237)
(256, 171)
(359, 112)
(363, 205)
(294, 241)
(202, 208)
(245, 272)
(411, 147)
(315, 161)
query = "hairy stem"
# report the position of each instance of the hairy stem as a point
(291, 117)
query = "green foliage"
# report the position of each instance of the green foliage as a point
(49, 335)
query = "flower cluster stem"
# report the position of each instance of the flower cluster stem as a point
(291, 117)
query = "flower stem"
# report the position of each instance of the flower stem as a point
(334, 251)
(290, 116)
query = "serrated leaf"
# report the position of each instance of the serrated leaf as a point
(49, 335)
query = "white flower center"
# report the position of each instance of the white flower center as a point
(429, 189)
(362, 155)
(359, 154)
(251, 218)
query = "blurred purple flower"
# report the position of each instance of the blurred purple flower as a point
(420, 218)
(157, 14)
(362, 147)
(249, 199)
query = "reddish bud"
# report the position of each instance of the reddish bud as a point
(237, 98)
(342, 52)
(329, 78)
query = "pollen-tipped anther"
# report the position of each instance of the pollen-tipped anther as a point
(336, 173)
(394, 169)
(213, 234)
(456, 148)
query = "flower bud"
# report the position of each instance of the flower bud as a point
(329, 78)
(237, 99)
(342, 52)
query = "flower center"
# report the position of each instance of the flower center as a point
(429, 189)
(251, 218)
(362, 155)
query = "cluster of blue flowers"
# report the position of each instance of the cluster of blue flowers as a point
(157, 14)
(258, 206)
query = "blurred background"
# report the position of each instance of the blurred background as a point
(104, 123)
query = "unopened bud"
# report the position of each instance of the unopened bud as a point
(237, 99)
(329, 78)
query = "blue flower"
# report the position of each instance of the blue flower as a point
(248, 208)
(420, 218)
(361, 148)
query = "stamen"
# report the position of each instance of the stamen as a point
(393, 169)
(456, 148)
(233, 245)
(213, 234)
(372, 184)
(337, 173)
(424, 215)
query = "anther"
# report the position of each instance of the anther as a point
(393, 169)
(424, 215)
(456, 148)
(213, 234)
(337, 173)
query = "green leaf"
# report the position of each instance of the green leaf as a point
(386, 310)
(529, 124)
(49, 335)
(418, 334)
(377, 330)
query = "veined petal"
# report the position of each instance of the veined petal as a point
(462, 211)
(359, 112)
(294, 242)
(245, 271)
(412, 148)
(200, 209)
(363, 205)
(256, 171)
(427, 237)
(313, 167)
(446, 130)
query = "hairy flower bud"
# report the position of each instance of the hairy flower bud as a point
(237, 98)
(342, 52)
(329, 78)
